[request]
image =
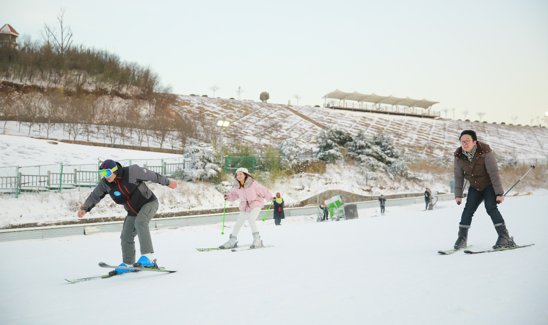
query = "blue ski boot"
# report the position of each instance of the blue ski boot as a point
(145, 261)
(124, 268)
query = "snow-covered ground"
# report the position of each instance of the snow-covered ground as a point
(25, 151)
(372, 270)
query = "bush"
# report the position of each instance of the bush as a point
(330, 143)
(205, 166)
(264, 96)
(313, 167)
(271, 160)
(378, 153)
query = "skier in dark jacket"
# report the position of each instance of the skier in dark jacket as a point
(324, 211)
(278, 203)
(382, 202)
(427, 197)
(476, 162)
(126, 186)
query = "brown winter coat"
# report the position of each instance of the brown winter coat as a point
(481, 172)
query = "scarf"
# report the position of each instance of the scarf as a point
(470, 155)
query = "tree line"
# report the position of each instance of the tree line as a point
(76, 69)
(81, 114)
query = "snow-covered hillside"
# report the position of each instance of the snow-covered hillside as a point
(258, 123)
(371, 270)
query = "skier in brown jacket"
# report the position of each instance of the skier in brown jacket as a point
(476, 162)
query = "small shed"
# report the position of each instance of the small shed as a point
(8, 36)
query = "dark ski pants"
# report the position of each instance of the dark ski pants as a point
(138, 226)
(474, 199)
(382, 208)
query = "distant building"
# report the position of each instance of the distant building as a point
(8, 36)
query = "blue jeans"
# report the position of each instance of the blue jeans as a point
(474, 199)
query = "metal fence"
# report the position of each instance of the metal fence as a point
(17, 179)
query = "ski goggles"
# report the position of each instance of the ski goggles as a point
(108, 172)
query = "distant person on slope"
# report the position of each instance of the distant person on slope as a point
(382, 202)
(476, 162)
(126, 186)
(323, 212)
(278, 204)
(251, 195)
(427, 197)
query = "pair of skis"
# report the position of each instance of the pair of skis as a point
(159, 269)
(114, 273)
(234, 249)
(492, 250)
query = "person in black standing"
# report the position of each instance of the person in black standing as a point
(382, 202)
(278, 203)
(427, 197)
(325, 211)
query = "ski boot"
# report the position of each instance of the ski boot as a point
(147, 261)
(231, 243)
(122, 268)
(504, 240)
(257, 242)
(462, 237)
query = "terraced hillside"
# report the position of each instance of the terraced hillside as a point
(260, 124)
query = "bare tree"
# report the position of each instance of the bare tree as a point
(140, 125)
(239, 91)
(214, 89)
(185, 129)
(60, 40)
(164, 118)
(50, 105)
(297, 98)
(31, 107)
(465, 113)
(445, 112)
(141, 134)
(73, 116)
(122, 121)
(514, 119)
(6, 106)
(111, 133)
(481, 115)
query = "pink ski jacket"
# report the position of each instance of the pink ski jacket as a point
(251, 195)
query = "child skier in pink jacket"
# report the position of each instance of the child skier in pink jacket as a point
(251, 195)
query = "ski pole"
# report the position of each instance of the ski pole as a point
(223, 223)
(266, 212)
(519, 180)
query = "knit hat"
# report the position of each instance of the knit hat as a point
(108, 164)
(243, 170)
(470, 133)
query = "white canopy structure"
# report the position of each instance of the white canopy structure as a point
(376, 99)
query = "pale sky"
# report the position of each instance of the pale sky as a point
(471, 55)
